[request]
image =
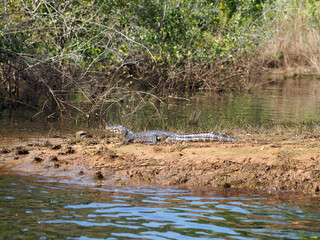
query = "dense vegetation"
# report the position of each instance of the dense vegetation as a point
(52, 52)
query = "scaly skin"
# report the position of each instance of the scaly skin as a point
(152, 137)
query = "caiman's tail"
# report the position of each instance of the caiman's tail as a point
(201, 137)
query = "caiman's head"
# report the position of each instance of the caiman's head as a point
(119, 129)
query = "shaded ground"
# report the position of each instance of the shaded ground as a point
(279, 163)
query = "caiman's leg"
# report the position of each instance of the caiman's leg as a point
(125, 141)
(153, 140)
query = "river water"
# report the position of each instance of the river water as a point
(38, 208)
(278, 101)
(34, 207)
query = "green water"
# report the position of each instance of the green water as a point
(278, 101)
(36, 208)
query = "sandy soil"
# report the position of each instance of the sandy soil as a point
(280, 163)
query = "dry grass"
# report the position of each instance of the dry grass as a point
(295, 41)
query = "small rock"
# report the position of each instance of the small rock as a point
(37, 160)
(21, 151)
(81, 134)
(33, 144)
(67, 150)
(92, 143)
(56, 147)
(5, 150)
(53, 159)
(47, 144)
(227, 185)
(57, 165)
(81, 173)
(98, 176)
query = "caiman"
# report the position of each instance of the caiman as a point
(152, 137)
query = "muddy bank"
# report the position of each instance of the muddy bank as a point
(280, 163)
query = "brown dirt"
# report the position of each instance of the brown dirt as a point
(280, 163)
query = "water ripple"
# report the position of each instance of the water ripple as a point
(40, 210)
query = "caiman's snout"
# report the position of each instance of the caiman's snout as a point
(119, 129)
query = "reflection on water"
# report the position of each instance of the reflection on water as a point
(36, 209)
(278, 101)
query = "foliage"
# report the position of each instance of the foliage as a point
(97, 47)
(97, 33)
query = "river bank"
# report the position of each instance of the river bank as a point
(270, 161)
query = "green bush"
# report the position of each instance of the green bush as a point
(91, 47)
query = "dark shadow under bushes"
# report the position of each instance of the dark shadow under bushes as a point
(40, 86)
(53, 88)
